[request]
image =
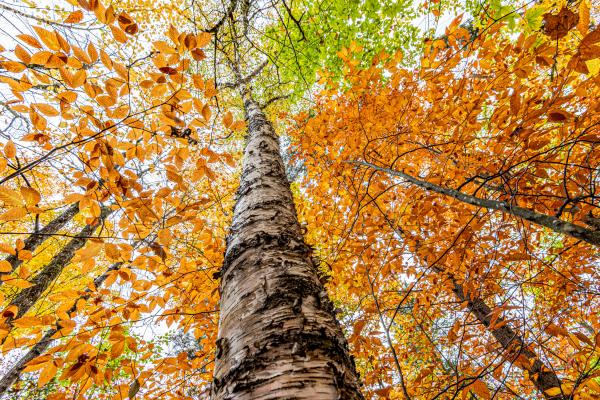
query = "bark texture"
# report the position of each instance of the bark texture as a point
(37, 238)
(40, 347)
(543, 378)
(556, 224)
(28, 297)
(278, 335)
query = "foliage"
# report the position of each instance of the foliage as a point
(133, 106)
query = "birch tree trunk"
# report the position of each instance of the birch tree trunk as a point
(278, 335)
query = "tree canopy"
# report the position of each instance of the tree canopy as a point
(444, 161)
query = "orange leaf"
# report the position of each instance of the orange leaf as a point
(10, 197)
(74, 17)
(118, 34)
(206, 112)
(49, 38)
(9, 149)
(5, 266)
(47, 374)
(228, 119)
(31, 196)
(30, 40)
(203, 39)
(481, 389)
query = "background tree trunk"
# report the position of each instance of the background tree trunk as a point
(278, 335)
(11, 376)
(542, 377)
(29, 296)
(37, 238)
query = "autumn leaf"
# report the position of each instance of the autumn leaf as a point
(228, 120)
(74, 17)
(557, 26)
(9, 149)
(30, 195)
(49, 38)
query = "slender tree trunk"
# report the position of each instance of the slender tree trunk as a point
(40, 347)
(542, 377)
(556, 224)
(29, 296)
(278, 335)
(37, 238)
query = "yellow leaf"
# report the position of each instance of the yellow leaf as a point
(19, 283)
(117, 348)
(13, 66)
(105, 59)
(164, 237)
(4, 248)
(593, 66)
(48, 38)
(68, 96)
(105, 101)
(89, 251)
(27, 322)
(37, 363)
(555, 391)
(31, 196)
(481, 389)
(92, 52)
(10, 311)
(112, 251)
(584, 17)
(41, 57)
(22, 54)
(25, 255)
(10, 197)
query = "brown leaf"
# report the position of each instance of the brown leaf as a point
(557, 115)
(168, 70)
(557, 26)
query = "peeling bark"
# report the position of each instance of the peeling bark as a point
(543, 378)
(40, 347)
(556, 224)
(37, 238)
(28, 297)
(278, 335)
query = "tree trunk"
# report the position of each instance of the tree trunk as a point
(278, 335)
(542, 377)
(38, 349)
(37, 238)
(29, 296)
